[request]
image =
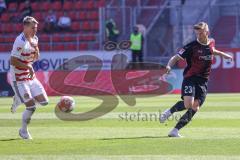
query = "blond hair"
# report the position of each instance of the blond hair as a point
(29, 20)
(201, 25)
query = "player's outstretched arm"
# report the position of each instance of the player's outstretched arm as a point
(223, 54)
(172, 62)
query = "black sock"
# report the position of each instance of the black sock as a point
(185, 119)
(179, 106)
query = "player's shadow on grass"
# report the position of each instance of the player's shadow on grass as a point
(10, 139)
(142, 137)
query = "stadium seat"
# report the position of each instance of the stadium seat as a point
(58, 47)
(73, 15)
(40, 27)
(71, 46)
(68, 5)
(75, 26)
(83, 46)
(44, 38)
(44, 47)
(12, 7)
(18, 27)
(93, 15)
(89, 5)
(101, 3)
(95, 25)
(46, 6)
(39, 16)
(5, 17)
(87, 38)
(35, 6)
(69, 38)
(57, 38)
(9, 39)
(2, 39)
(21, 6)
(7, 27)
(79, 5)
(56, 6)
(82, 15)
(86, 26)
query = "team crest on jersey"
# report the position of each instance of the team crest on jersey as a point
(26, 96)
(181, 51)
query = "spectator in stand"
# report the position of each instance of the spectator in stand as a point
(64, 22)
(50, 22)
(111, 31)
(2, 6)
(26, 11)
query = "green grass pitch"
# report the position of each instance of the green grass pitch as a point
(214, 132)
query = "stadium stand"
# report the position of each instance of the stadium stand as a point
(84, 28)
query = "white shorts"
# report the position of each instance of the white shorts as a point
(27, 90)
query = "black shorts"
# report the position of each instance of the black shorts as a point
(195, 87)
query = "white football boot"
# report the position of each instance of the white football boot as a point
(164, 116)
(174, 133)
(16, 104)
(25, 134)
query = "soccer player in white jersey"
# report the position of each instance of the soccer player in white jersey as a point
(27, 88)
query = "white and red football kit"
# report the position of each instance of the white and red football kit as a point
(25, 88)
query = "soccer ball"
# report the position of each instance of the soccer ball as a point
(66, 104)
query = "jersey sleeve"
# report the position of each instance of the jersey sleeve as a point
(185, 51)
(17, 48)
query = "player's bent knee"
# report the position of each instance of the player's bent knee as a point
(30, 103)
(195, 108)
(188, 104)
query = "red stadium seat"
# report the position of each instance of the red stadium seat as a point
(7, 27)
(87, 38)
(68, 5)
(2, 39)
(45, 6)
(75, 26)
(72, 15)
(82, 15)
(71, 47)
(12, 6)
(40, 27)
(44, 47)
(93, 15)
(86, 26)
(59, 14)
(18, 27)
(21, 6)
(69, 38)
(56, 6)
(90, 38)
(57, 38)
(101, 3)
(58, 47)
(6, 47)
(35, 6)
(83, 46)
(89, 5)
(39, 16)
(44, 38)
(95, 25)
(79, 5)
(5, 17)
(9, 39)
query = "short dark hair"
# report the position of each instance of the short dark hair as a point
(29, 20)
